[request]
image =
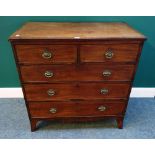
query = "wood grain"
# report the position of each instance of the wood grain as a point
(83, 72)
(81, 91)
(32, 54)
(121, 53)
(75, 109)
(100, 30)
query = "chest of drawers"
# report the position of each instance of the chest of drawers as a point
(76, 71)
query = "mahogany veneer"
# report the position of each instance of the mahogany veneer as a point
(76, 71)
(70, 73)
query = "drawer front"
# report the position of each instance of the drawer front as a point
(46, 54)
(85, 72)
(75, 109)
(109, 53)
(49, 92)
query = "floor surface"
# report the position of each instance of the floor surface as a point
(139, 123)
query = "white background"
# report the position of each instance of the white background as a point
(77, 8)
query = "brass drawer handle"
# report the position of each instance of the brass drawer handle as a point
(109, 54)
(47, 55)
(106, 73)
(51, 92)
(48, 74)
(53, 110)
(104, 91)
(101, 108)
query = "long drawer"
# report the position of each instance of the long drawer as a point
(109, 53)
(76, 109)
(85, 91)
(46, 54)
(85, 72)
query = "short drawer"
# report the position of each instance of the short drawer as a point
(85, 72)
(73, 91)
(75, 109)
(46, 54)
(109, 53)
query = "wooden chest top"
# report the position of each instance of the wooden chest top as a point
(53, 30)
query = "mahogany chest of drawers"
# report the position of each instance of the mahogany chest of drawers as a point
(76, 71)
